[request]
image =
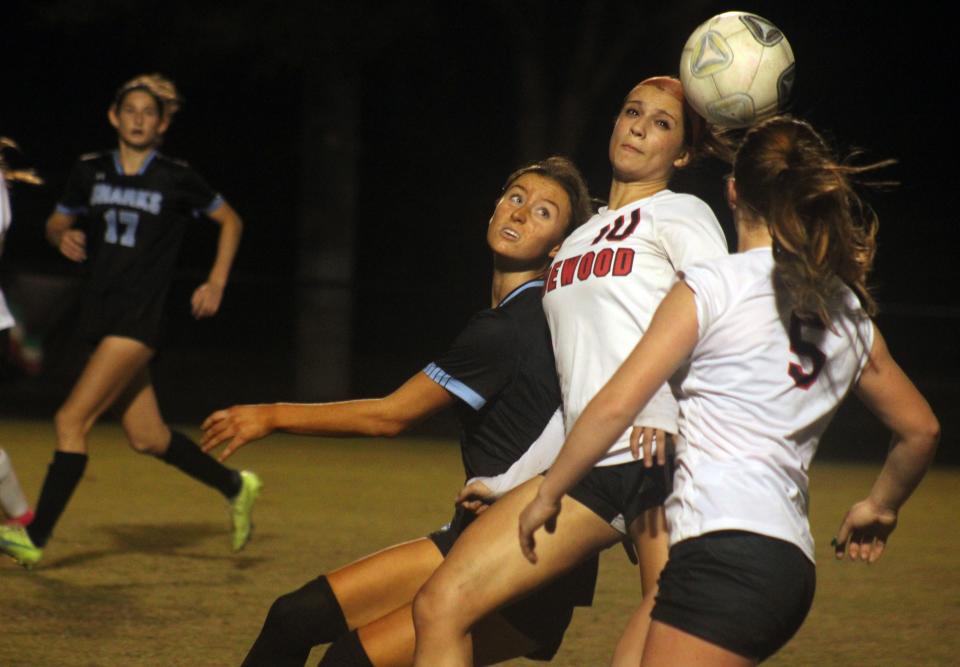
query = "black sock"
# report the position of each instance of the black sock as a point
(62, 478)
(296, 623)
(185, 455)
(346, 652)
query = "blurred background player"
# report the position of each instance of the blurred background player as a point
(761, 347)
(600, 294)
(136, 203)
(12, 500)
(500, 378)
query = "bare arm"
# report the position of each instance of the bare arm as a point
(206, 298)
(891, 396)
(415, 400)
(72, 243)
(667, 343)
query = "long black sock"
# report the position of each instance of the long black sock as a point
(296, 623)
(63, 475)
(346, 652)
(185, 455)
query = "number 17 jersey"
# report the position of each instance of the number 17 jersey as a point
(135, 222)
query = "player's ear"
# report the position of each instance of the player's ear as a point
(731, 192)
(164, 124)
(682, 160)
(112, 117)
(553, 252)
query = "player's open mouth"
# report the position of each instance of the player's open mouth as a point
(506, 232)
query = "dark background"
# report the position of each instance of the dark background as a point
(379, 134)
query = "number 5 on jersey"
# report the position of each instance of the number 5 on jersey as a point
(804, 349)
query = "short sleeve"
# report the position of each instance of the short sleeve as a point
(689, 231)
(480, 362)
(197, 195)
(77, 191)
(709, 296)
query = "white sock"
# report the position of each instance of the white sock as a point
(12, 500)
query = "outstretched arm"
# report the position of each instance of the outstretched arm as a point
(418, 398)
(892, 397)
(664, 347)
(206, 298)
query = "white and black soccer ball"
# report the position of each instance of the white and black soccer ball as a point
(737, 68)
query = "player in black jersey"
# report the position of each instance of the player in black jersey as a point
(136, 204)
(499, 376)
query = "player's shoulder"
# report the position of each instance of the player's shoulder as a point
(174, 164)
(95, 160)
(669, 205)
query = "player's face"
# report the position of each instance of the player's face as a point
(138, 120)
(528, 223)
(647, 139)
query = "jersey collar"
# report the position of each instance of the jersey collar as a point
(143, 167)
(530, 284)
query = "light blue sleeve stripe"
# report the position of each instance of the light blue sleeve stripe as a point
(66, 210)
(454, 386)
(211, 207)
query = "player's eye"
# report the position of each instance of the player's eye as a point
(630, 111)
(663, 125)
(516, 198)
(544, 212)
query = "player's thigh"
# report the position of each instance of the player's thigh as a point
(380, 583)
(486, 569)
(113, 365)
(139, 413)
(667, 646)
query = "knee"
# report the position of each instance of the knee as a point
(310, 615)
(148, 443)
(435, 604)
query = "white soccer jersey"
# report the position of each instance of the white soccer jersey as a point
(757, 394)
(6, 319)
(604, 286)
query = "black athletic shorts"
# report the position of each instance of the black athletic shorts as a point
(120, 314)
(620, 493)
(746, 592)
(544, 614)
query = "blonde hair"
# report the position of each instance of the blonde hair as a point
(822, 231)
(22, 175)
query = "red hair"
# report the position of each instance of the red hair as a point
(693, 123)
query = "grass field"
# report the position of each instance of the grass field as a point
(140, 570)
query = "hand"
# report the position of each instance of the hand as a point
(236, 426)
(646, 437)
(864, 531)
(537, 513)
(205, 301)
(476, 497)
(73, 245)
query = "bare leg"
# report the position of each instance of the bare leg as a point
(113, 365)
(669, 647)
(140, 416)
(485, 570)
(649, 534)
(372, 587)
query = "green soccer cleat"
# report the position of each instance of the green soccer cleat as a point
(241, 508)
(15, 542)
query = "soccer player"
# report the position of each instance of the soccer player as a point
(600, 294)
(137, 204)
(762, 347)
(499, 376)
(12, 500)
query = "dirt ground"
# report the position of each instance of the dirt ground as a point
(140, 571)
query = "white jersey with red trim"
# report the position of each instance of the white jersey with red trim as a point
(6, 319)
(604, 286)
(759, 390)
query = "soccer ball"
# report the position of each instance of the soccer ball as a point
(737, 68)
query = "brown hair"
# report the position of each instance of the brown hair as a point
(162, 89)
(564, 173)
(786, 174)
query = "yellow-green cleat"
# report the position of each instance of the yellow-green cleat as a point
(15, 542)
(241, 508)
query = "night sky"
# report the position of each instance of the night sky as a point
(439, 116)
